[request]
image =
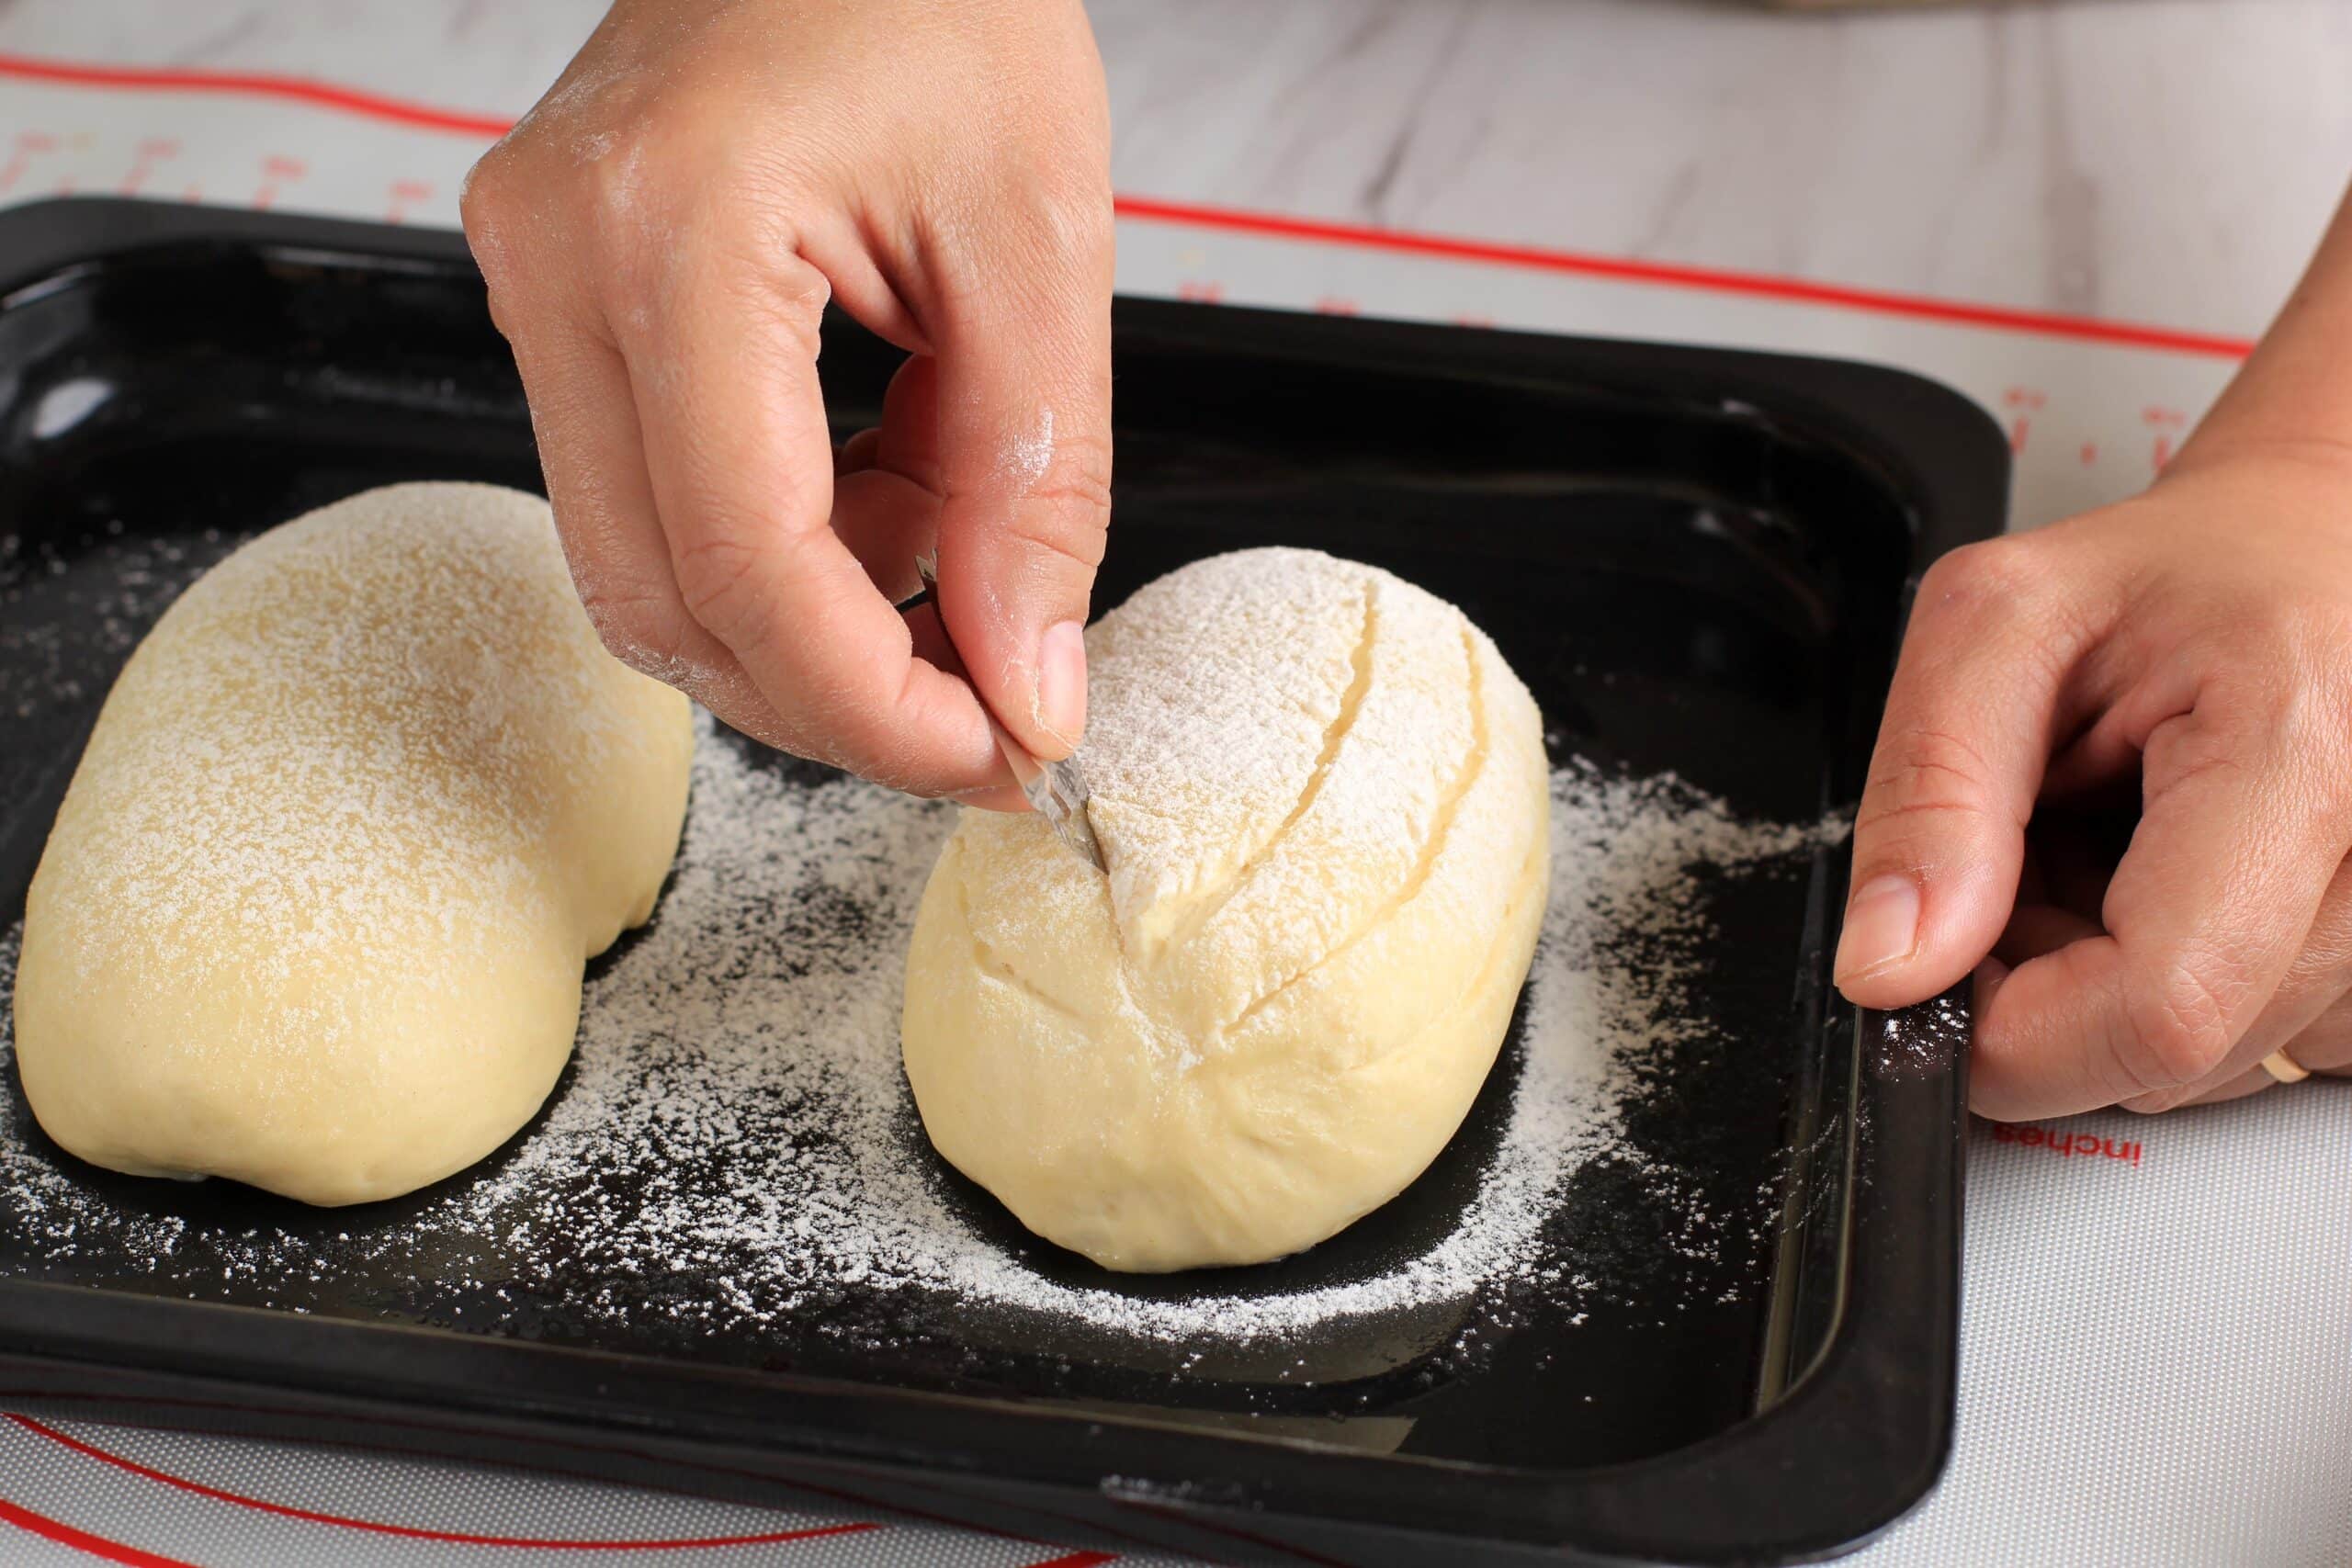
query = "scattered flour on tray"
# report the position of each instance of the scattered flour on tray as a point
(736, 1117)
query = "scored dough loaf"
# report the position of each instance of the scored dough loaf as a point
(1323, 800)
(315, 910)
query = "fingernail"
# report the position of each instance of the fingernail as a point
(1061, 682)
(1882, 927)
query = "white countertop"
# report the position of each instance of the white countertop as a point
(2153, 1370)
(2169, 160)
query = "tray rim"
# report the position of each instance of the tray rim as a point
(1878, 1399)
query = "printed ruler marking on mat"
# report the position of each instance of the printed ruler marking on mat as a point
(2080, 441)
(2068, 1144)
(1202, 215)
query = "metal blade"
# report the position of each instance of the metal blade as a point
(1057, 791)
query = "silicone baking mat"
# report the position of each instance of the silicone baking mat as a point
(2153, 1356)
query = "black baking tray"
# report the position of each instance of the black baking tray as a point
(1699, 561)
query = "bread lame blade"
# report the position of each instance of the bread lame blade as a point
(1056, 791)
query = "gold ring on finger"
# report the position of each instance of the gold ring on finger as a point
(2285, 1068)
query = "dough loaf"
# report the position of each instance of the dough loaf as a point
(1324, 802)
(314, 911)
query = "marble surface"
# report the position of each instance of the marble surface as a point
(2168, 161)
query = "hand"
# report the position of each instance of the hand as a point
(660, 236)
(2189, 654)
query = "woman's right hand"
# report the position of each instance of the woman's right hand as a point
(660, 237)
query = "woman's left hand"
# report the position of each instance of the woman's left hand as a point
(2116, 769)
(2117, 759)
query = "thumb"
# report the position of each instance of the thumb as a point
(1025, 458)
(1939, 836)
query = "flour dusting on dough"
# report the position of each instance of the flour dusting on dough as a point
(737, 1130)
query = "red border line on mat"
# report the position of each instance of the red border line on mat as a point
(1716, 280)
(408, 1532)
(1150, 209)
(67, 1534)
(837, 1494)
(1235, 1532)
(254, 84)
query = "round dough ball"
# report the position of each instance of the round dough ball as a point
(314, 911)
(1324, 803)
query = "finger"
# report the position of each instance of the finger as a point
(2038, 928)
(1940, 835)
(2312, 988)
(2238, 1086)
(2323, 1049)
(584, 421)
(931, 646)
(2205, 917)
(885, 522)
(724, 370)
(2325, 1044)
(907, 441)
(887, 511)
(2098, 770)
(856, 455)
(1024, 464)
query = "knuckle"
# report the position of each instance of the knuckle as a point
(2188, 750)
(786, 296)
(1087, 496)
(2281, 658)
(1076, 475)
(1043, 521)
(1060, 230)
(636, 624)
(2261, 653)
(1990, 574)
(1069, 219)
(1921, 773)
(2182, 1025)
(615, 186)
(2003, 597)
(489, 187)
(714, 582)
(2316, 698)
(744, 195)
(668, 212)
(737, 257)
(2325, 961)
(624, 207)
(486, 203)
